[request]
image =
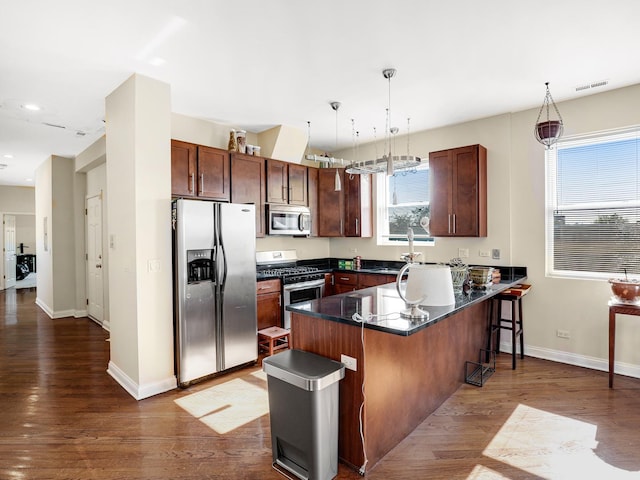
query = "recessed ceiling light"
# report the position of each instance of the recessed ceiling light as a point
(7, 155)
(28, 179)
(31, 106)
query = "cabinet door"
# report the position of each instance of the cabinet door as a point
(358, 212)
(330, 203)
(183, 168)
(248, 185)
(269, 310)
(298, 185)
(458, 186)
(213, 173)
(469, 191)
(276, 181)
(345, 282)
(440, 180)
(312, 174)
(328, 285)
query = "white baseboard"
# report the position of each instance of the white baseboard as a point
(140, 391)
(578, 360)
(60, 313)
(44, 307)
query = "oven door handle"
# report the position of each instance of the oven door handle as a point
(302, 285)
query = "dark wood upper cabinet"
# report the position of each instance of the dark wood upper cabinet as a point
(312, 191)
(298, 190)
(458, 192)
(330, 203)
(286, 183)
(184, 168)
(199, 171)
(213, 173)
(358, 209)
(348, 212)
(248, 185)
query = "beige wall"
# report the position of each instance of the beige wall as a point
(57, 188)
(139, 229)
(579, 306)
(17, 199)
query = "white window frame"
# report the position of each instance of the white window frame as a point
(383, 196)
(551, 197)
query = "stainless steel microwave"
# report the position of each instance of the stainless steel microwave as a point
(288, 220)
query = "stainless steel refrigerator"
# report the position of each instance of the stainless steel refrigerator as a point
(215, 287)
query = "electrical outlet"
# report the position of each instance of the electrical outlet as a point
(463, 253)
(495, 254)
(563, 334)
(349, 362)
(484, 253)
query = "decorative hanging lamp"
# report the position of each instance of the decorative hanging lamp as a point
(548, 131)
(338, 183)
(389, 162)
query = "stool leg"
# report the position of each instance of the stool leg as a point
(514, 326)
(521, 328)
(499, 325)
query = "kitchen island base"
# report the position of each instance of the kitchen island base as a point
(406, 378)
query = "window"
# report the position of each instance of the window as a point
(593, 205)
(403, 202)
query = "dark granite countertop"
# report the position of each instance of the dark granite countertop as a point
(381, 306)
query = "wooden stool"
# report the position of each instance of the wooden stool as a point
(272, 339)
(497, 323)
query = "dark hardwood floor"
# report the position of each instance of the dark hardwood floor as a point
(63, 417)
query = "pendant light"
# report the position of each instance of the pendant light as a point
(548, 131)
(388, 73)
(338, 183)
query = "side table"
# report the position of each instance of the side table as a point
(615, 308)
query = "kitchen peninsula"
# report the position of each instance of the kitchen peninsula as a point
(408, 368)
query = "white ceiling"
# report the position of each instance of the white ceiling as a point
(259, 63)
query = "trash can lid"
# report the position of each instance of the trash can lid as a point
(304, 370)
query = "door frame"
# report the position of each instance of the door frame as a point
(103, 322)
(2, 214)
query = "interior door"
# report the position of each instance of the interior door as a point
(9, 223)
(95, 276)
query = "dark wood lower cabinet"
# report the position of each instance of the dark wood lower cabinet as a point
(269, 304)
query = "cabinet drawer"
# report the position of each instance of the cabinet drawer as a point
(345, 278)
(268, 286)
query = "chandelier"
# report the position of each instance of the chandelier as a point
(388, 162)
(548, 131)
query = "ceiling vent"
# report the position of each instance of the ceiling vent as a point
(587, 86)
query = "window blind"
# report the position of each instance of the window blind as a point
(593, 205)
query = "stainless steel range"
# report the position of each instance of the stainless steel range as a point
(299, 283)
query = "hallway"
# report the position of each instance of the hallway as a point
(64, 417)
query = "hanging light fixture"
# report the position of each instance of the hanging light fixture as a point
(329, 161)
(548, 131)
(338, 183)
(389, 162)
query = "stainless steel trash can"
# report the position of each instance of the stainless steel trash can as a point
(303, 408)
